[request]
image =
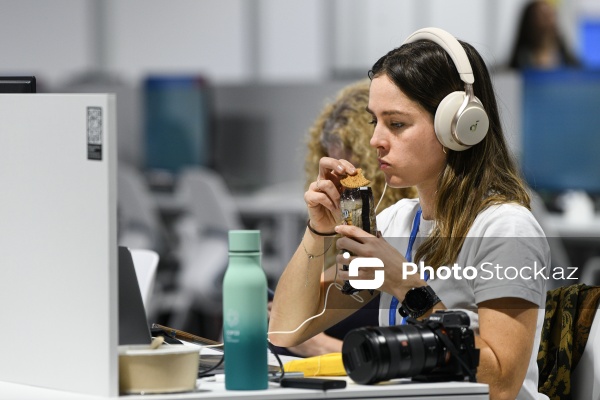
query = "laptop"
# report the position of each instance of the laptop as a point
(133, 323)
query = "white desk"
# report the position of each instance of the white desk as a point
(215, 391)
(584, 230)
(287, 209)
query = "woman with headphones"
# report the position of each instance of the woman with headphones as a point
(437, 128)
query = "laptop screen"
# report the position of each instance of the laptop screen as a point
(133, 324)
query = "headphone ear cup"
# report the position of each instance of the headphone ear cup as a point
(471, 125)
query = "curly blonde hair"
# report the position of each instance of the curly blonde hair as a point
(346, 122)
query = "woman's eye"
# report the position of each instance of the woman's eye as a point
(373, 122)
(396, 124)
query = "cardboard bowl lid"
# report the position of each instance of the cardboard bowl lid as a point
(145, 350)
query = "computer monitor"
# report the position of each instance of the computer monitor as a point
(58, 242)
(17, 84)
(589, 34)
(561, 131)
(177, 123)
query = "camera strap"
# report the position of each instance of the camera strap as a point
(453, 351)
(408, 256)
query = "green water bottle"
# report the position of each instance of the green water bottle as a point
(245, 314)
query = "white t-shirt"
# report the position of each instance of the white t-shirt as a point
(503, 255)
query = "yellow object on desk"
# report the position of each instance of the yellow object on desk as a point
(324, 365)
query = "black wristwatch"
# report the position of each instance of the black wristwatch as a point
(418, 301)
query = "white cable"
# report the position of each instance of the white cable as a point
(339, 287)
(311, 318)
(334, 283)
(381, 198)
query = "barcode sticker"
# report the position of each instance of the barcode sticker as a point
(94, 133)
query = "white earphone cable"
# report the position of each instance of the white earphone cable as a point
(381, 198)
(334, 283)
(339, 287)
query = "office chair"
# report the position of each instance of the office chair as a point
(205, 197)
(209, 211)
(139, 218)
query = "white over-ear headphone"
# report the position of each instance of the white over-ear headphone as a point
(460, 119)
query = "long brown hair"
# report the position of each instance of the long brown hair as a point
(473, 179)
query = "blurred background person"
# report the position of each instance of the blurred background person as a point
(539, 43)
(343, 130)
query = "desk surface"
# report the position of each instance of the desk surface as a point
(210, 390)
(587, 229)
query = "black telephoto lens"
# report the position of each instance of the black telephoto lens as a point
(375, 354)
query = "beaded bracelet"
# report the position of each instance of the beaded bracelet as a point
(310, 228)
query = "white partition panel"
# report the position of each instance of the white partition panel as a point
(58, 251)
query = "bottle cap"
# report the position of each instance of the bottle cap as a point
(244, 240)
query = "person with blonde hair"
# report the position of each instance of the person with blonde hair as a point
(343, 129)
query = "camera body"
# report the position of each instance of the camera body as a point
(455, 326)
(439, 348)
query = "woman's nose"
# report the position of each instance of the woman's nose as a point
(377, 140)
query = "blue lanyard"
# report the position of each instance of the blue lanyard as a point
(408, 256)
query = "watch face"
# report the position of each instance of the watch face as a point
(417, 299)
